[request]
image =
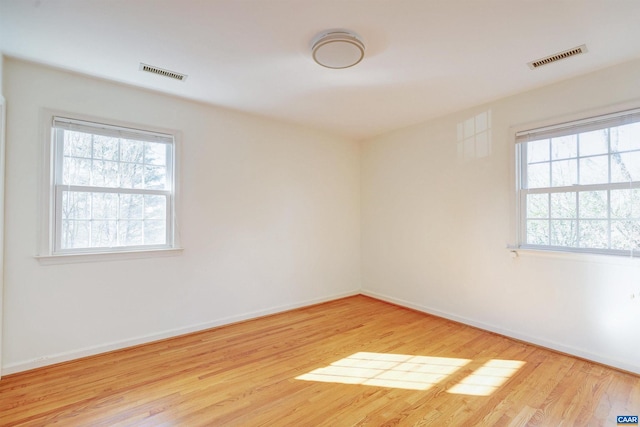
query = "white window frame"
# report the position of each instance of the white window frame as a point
(50, 251)
(567, 126)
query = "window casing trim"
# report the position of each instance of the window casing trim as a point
(614, 115)
(76, 258)
(49, 194)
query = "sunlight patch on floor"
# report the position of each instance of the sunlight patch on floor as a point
(486, 379)
(414, 372)
(387, 370)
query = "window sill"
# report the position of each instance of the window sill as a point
(574, 256)
(106, 256)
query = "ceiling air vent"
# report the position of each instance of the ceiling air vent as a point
(162, 72)
(557, 57)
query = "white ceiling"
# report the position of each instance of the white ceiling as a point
(423, 58)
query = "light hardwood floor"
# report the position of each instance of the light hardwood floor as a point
(290, 369)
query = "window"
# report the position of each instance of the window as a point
(579, 185)
(112, 188)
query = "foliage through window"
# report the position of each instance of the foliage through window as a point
(579, 185)
(112, 188)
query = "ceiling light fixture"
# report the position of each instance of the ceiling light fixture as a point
(337, 49)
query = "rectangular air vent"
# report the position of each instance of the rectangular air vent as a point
(557, 57)
(162, 72)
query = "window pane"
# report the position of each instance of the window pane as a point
(131, 151)
(76, 171)
(131, 206)
(594, 170)
(563, 233)
(538, 232)
(155, 232)
(564, 173)
(104, 206)
(75, 234)
(564, 147)
(563, 205)
(593, 204)
(538, 151)
(621, 203)
(103, 234)
(77, 144)
(625, 235)
(76, 205)
(155, 177)
(635, 203)
(155, 207)
(105, 148)
(625, 167)
(130, 233)
(155, 153)
(627, 137)
(594, 234)
(595, 142)
(104, 173)
(538, 175)
(537, 206)
(131, 175)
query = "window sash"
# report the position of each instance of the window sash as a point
(58, 150)
(60, 189)
(579, 221)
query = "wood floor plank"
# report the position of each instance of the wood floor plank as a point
(351, 362)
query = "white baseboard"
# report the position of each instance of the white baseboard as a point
(578, 352)
(117, 345)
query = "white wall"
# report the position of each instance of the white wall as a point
(2, 163)
(270, 221)
(435, 225)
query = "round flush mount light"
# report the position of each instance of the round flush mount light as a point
(337, 49)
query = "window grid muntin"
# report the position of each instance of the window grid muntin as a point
(524, 192)
(59, 188)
